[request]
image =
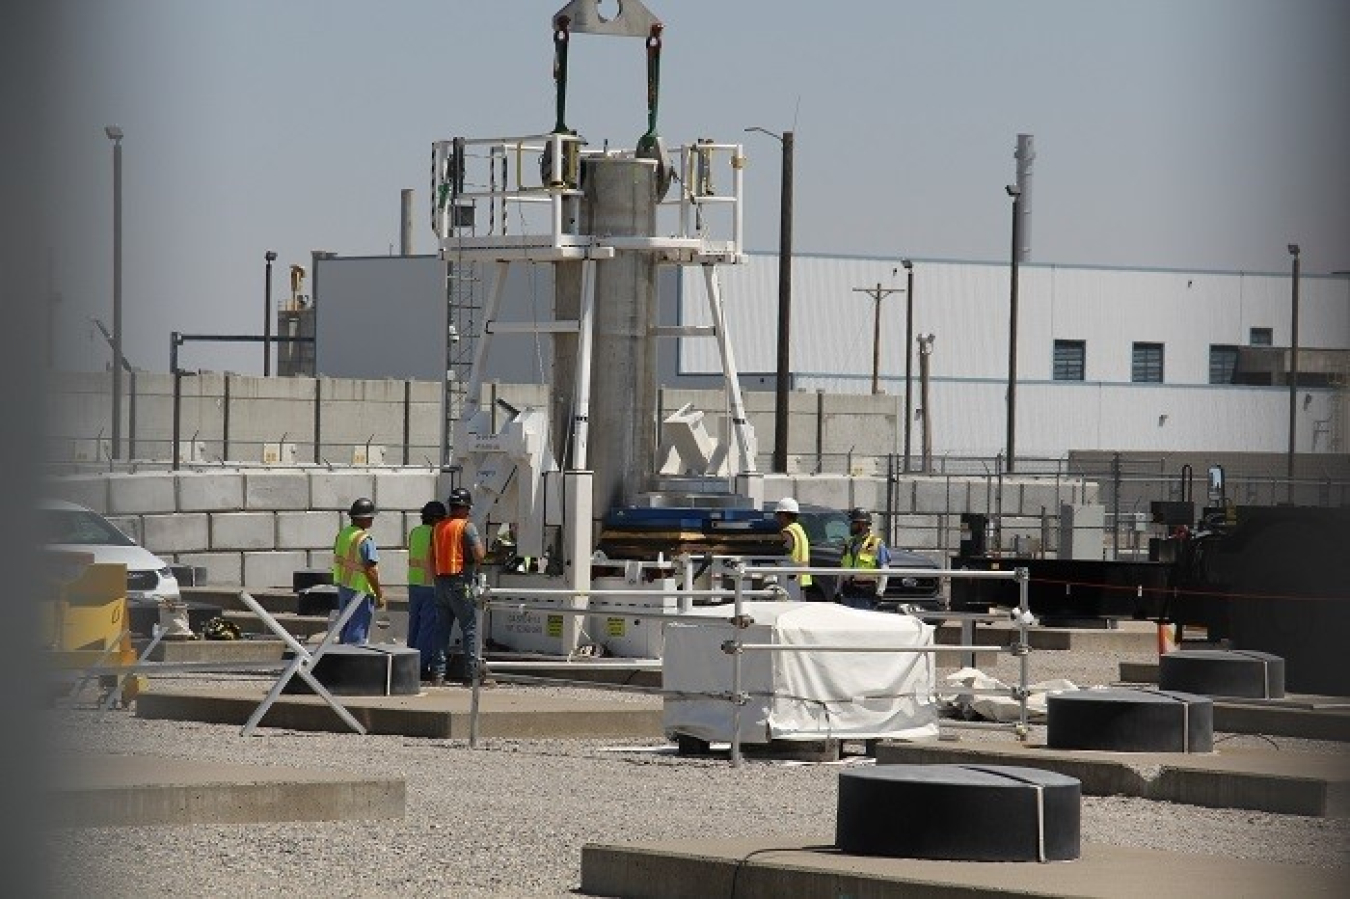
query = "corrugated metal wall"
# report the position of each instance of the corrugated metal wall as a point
(966, 306)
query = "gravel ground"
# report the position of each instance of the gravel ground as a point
(509, 818)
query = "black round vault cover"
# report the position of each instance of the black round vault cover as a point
(996, 813)
(1130, 721)
(1242, 673)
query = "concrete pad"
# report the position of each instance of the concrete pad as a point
(439, 713)
(228, 651)
(136, 791)
(1293, 783)
(813, 869)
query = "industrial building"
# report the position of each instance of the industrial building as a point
(1108, 360)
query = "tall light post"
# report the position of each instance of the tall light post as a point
(271, 257)
(1293, 370)
(1016, 193)
(877, 294)
(780, 407)
(909, 352)
(114, 133)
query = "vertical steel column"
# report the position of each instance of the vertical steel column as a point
(1016, 195)
(1293, 373)
(115, 134)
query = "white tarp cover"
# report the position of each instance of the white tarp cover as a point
(802, 695)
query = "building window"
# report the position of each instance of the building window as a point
(1222, 363)
(1262, 337)
(1147, 363)
(1070, 360)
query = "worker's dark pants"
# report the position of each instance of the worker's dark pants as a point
(454, 604)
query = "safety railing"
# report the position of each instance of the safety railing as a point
(737, 647)
(485, 190)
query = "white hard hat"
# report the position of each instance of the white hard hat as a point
(787, 504)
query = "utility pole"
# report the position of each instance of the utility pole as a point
(115, 134)
(1293, 370)
(1016, 193)
(909, 352)
(784, 364)
(877, 293)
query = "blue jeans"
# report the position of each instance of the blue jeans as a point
(454, 603)
(357, 628)
(422, 622)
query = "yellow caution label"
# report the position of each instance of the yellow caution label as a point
(614, 627)
(554, 626)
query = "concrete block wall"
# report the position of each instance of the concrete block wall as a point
(255, 527)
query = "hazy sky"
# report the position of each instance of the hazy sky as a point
(1201, 134)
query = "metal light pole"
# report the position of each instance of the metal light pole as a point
(926, 351)
(271, 257)
(114, 134)
(877, 294)
(1293, 372)
(1016, 193)
(909, 352)
(780, 406)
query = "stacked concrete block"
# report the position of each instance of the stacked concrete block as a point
(210, 491)
(129, 525)
(916, 532)
(388, 530)
(183, 532)
(243, 531)
(404, 489)
(868, 493)
(823, 490)
(221, 568)
(276, 490)
(273, 569)
(930, 496)
(307, 530)
(139, 494)
(339, 489)
(90, 491)
(393, 566)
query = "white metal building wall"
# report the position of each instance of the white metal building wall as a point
(966, 306)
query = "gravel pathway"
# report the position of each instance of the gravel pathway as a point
(509, 819)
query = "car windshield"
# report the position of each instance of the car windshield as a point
(825, 527)
(80, 528)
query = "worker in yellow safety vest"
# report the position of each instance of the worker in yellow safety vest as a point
(356, 571)
(422, 587)
(794, 541)
(864, 552)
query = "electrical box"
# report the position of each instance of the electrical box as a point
(278, 454)
(368, 455)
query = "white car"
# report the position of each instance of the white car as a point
(67, 527)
